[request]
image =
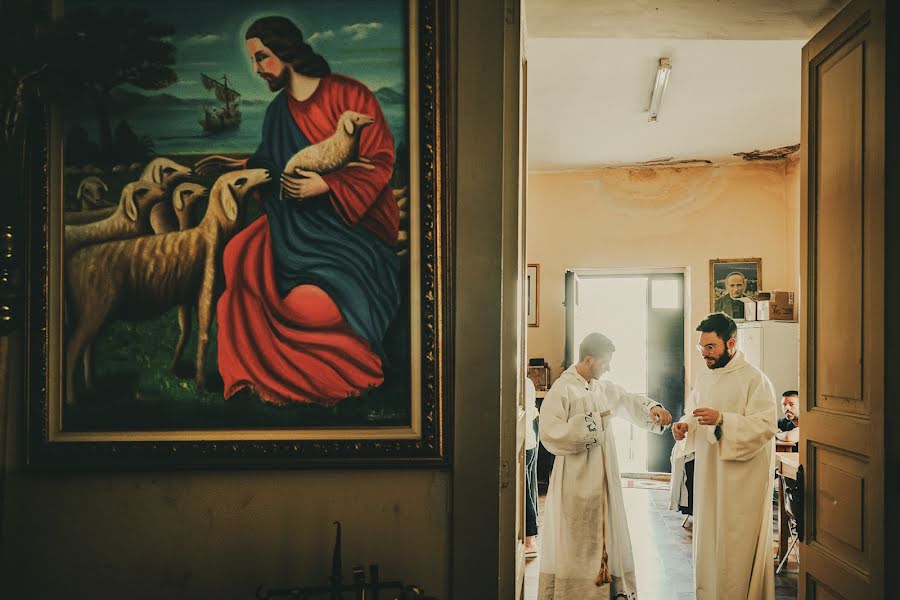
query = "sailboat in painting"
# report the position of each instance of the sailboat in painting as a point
(225, 117)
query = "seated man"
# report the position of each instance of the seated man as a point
(789, 426)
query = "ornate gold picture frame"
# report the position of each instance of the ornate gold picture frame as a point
(247, 400)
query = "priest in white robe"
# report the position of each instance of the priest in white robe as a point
(730, 423)
(586, 549)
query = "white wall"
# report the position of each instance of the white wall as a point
(654, 218)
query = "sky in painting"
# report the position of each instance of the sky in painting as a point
(360, 38)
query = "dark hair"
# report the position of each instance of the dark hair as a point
(595, 344)
(720, 324)
(790, 393)
(285, 40)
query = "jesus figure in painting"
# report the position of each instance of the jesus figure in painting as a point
(313, 284)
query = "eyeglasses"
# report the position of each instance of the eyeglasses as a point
(708, 347)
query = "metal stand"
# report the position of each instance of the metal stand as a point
(361, 589)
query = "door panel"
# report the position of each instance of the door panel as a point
(572, 309)
(665, 364)
(842, 323)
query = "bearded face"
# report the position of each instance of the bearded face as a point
(267, 65)
(277, 82)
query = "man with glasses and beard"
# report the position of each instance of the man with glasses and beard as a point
(586, 550)
(730, 423)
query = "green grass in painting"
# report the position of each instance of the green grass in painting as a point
(135, 390)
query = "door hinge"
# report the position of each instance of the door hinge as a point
(504, 474)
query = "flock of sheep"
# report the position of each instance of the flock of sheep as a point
(145, 255)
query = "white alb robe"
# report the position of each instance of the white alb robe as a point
(733, 483)
(584, 481)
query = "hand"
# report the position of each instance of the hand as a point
(216, 165)
(303, 185)
(707, 416)
(679, 430)
(660, 416)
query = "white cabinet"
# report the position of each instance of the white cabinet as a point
(774, 347)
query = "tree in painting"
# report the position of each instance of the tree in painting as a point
(108, 49)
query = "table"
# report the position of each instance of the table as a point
(787, 463)
(785, 446)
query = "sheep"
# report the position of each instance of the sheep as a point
(141, 278)
(82, 217)
(90, 193)
(167, 217)
(165, 172)
(163, 219)
(341, 149)
(335, 152)
(161, 171)
(183, 198)
(131, 218)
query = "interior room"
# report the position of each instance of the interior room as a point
(663, 150)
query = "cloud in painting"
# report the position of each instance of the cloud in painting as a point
(360, 31)
(320, 36)
(201, 39)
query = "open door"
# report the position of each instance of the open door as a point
(665, 360)
(843, 222)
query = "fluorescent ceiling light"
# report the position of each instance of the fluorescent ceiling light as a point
(662, 78)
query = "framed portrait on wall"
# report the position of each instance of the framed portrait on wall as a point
(732, 279)
(532, 294)
(243, 238)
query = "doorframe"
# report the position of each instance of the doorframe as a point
(484, 139)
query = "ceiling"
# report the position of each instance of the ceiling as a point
(588, 100)
(679, 19)
(734, 86)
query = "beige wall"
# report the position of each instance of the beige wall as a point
(219, 534)
(659, 217)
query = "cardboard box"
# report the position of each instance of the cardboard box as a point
(775, 306)
(749, 309)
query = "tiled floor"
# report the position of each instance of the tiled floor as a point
(662, 551)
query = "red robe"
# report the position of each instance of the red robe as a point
(300, 348)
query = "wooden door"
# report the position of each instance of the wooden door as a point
(843, 409)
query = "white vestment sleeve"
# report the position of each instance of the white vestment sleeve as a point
(633, 407)
(690, 405)
(744, 435)
(688, 444)
(562, 434)
(531, 409)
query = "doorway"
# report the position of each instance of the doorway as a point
(643, 313)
